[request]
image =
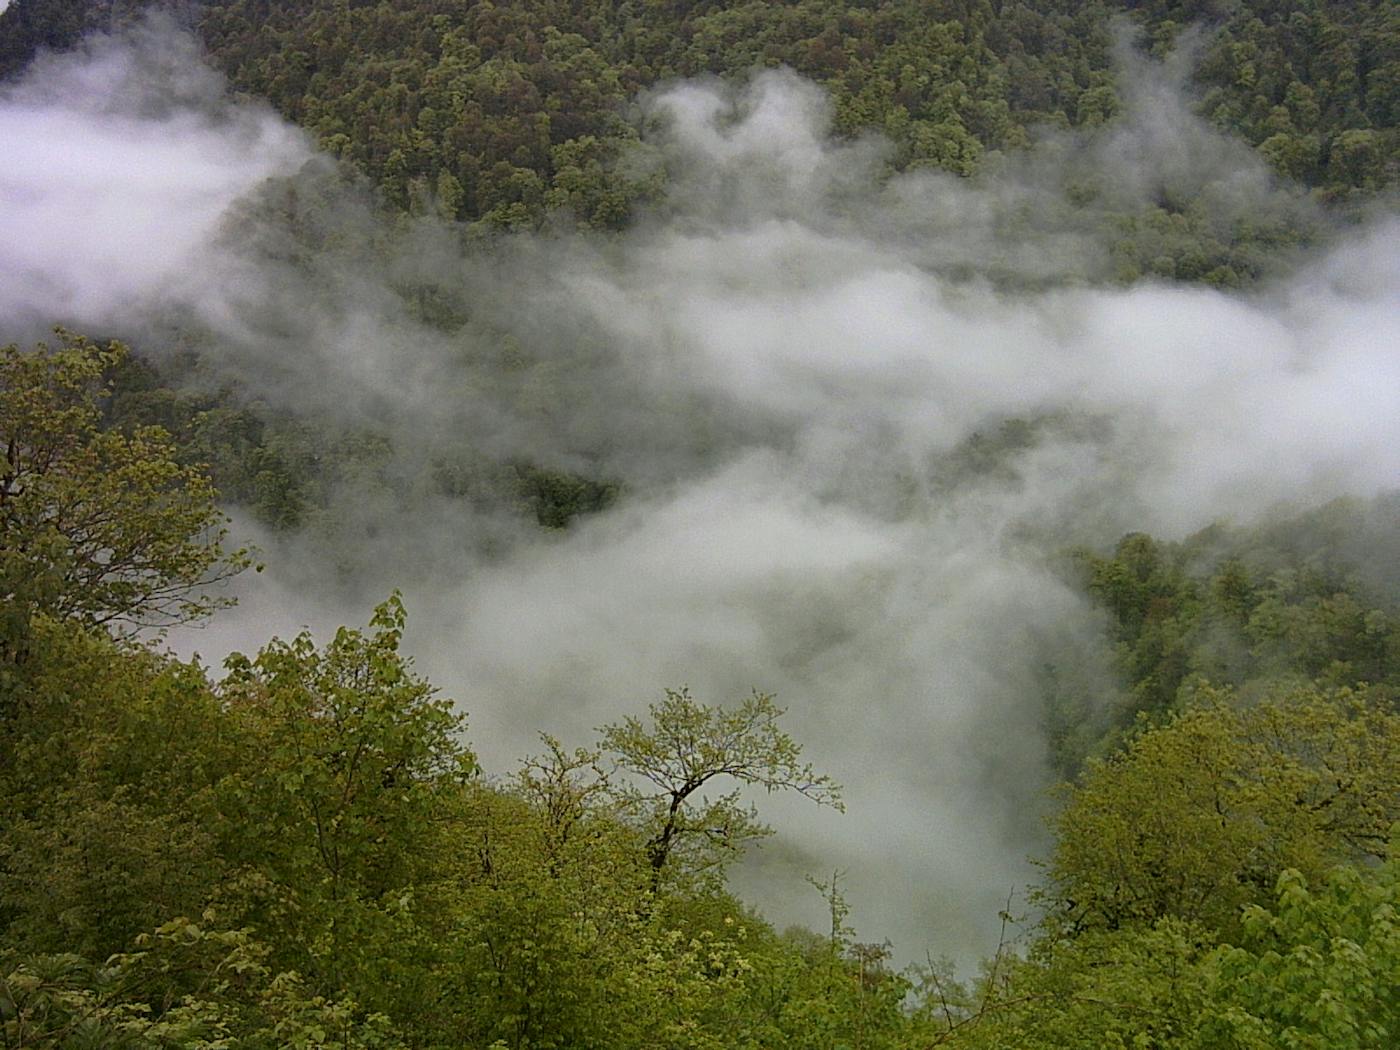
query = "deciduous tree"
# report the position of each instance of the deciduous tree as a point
(689, 745)
(96, 525)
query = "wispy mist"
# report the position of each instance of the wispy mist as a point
(785, 365)
(119, 167)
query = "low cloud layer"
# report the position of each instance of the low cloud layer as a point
(785, 365)
(120, 166)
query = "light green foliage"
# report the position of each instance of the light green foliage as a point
(352, 782)
(561, 942)
(580, 951)
(547, 922)
(1197, 818)
(311, 794)
(319, 812)
(127, 809)
(687, 746)
(1318, 971)
(834, 991)
(570, 935)
(99, 526)
(1134, 988)
(352, 740)
(1315, 967)
(110, 766)
(182, 986)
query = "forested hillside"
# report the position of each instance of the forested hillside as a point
(503, 113)
(1049, 483)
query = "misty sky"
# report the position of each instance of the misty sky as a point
(777, 368)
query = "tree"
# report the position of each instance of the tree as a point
(1316, 966)
(110, 770)
(1197, 818)
(687, 746)
(1320, 968)
(357, 750)
(184, 985)
(96, 525)
(347, 803)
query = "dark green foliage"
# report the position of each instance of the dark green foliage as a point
(1283, 603)
(28, 26)
(503, 113)
(557, 498)
(500, 114)
(1311, 85)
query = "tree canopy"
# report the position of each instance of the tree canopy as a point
(97, 525)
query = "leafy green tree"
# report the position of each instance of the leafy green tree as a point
(1319, 969)
(1133, 987)
(687, 746)
(182, 985)
(570, 936)
(1259, 610)
(111, 767)
(313, 794)
(1196, 819)
(351, 788)
(99, 526)
(1315, 965)
(358, 745)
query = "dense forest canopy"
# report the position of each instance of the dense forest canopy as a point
(1007, 387)
(503, 112)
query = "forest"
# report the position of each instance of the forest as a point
(548, 524)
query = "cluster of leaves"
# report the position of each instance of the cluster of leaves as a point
(98, 525)
(1317, 967)
(1238, 794)
(182, 985)
(1225, 881)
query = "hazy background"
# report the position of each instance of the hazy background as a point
(783, 365)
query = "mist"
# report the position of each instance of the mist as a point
(783, 365)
